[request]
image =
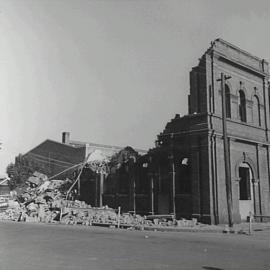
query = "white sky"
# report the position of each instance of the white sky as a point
(111, 72)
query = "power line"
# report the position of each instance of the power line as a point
(77, 165)
(45, 161)
(49, 158)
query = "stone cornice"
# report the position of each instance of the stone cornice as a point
(222, 57)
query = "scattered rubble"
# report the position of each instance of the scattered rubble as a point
(44, 201)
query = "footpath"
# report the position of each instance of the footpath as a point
(242, 228)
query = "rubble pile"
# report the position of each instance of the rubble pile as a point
(43, 200)
(89, 216)
(35, 204)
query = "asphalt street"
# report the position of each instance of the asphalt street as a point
(52, 247)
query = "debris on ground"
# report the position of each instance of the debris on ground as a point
(44, 200)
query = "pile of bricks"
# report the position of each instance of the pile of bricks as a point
(89, 216)
(42, 201)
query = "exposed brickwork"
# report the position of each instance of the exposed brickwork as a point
(56, 156)
(200, 133)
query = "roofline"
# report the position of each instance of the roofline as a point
(239, 49)
(95, 144)
(49, 140)
(105, 146)
(84, 144)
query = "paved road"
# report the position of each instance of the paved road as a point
(53, 247)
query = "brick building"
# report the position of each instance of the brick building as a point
(184, 174)
(56, 156)
(187, 166)
(53, 157)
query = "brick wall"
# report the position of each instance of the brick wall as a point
(55, 156)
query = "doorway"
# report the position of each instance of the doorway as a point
(245, 191)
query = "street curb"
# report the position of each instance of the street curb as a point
(152, 228)
(137, 228)
(160, 229)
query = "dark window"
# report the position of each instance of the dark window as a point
(256, 111)
(242, 106)
(164, 180)
(123, 180)
(244, 184)
(183, 183)
(109, 184)
(228, 101)
(142, 183)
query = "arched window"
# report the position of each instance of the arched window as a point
(256, 111)
(228, 101)
(242, 106)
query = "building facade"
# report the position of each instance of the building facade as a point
(188, 171)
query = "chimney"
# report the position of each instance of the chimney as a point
(65, 137)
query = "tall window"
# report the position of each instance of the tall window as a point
(142, 183)
(183, 181)
(242, 106)
(228, 101)
(123, 179)
(256, 111)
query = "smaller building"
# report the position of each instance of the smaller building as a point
(54, 157)
(114, 188)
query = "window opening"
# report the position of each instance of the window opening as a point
(242, 106)
(228, 101)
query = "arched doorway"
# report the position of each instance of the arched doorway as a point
(245, 191)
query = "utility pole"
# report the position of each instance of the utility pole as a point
(151, 175)
(173, 186)
(101, 185)
(226, 150)
(172, 157)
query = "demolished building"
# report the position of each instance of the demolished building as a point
(111, 187)
(184, 174)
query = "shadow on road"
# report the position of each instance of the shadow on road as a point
(212, 268)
